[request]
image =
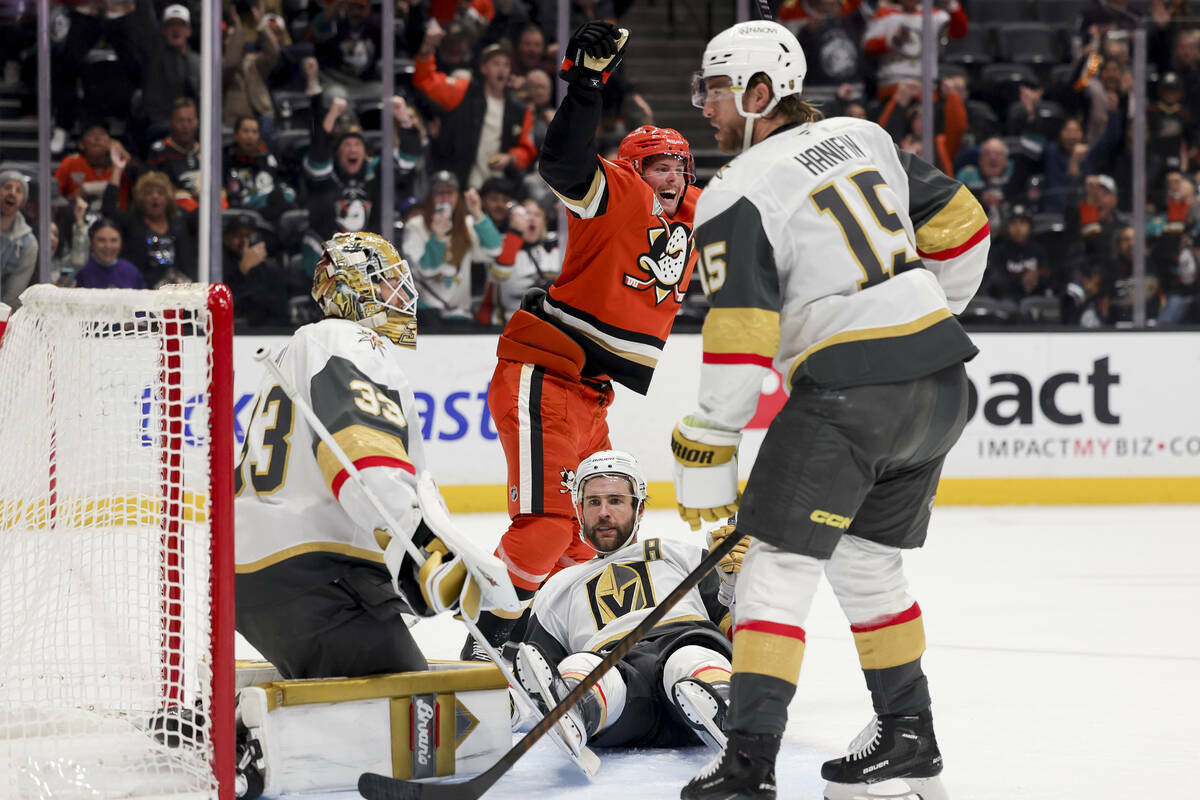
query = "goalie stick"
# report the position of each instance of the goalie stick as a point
(379, 787)
(489, 572)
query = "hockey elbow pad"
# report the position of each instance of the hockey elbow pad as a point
(706, 486)
(593, 53)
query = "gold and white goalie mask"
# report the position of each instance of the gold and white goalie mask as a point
(362, 278)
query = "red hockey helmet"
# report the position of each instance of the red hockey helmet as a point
(641, 143)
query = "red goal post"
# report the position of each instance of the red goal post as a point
(116, 544)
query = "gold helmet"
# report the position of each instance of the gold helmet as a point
(362, 278)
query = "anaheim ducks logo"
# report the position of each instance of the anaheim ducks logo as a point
(665, 263)
(619, 590)
(566, 480)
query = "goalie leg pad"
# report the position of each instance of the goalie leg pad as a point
(321, 735)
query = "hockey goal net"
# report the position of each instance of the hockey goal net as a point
(116, 567)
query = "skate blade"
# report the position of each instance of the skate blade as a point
(891, 789)
(701, 723)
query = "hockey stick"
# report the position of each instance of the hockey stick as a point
(764, 10)
(437, 517)
(379, 787)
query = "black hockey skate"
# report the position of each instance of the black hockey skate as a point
(744, 771)
(895, 749)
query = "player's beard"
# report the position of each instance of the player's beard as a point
(609, 540)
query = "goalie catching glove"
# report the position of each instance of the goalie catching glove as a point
(706, 486)
(593, 53)
(440, 584)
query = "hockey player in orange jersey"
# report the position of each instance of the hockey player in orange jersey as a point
(627, 265)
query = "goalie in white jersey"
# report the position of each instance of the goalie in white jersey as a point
(313, 593)
(836, 258)
(671, 689)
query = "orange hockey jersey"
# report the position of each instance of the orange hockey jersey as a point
(625, 271)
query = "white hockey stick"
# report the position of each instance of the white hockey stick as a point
(432, 504)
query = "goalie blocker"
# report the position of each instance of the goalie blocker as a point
(321, 735)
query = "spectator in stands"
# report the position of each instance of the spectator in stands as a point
(526, 260)
(342, 177)
(1022, 118)
(1101, 16)
(69, 253)
(1099, 219)
(624, 107)
(508, 20)
(901, 117)
(168, 67)
(85, 174)
(18, 245)
(894, 38)
(1062, 163)
(538, 92)
(473, 16)
(1087, 299)
(830, 41)
(1018, 266)
(261, 288)
(486, 130)
(177, 155)
(531, 53)
(156, 235)
(252, 178)
(1185, 61)
(1120, 273)
(105, 269)
(1171, 234)
(1171, 125)
(993, 180)
(442, 236)
(497, 196)
(244, 73)
(347, 40)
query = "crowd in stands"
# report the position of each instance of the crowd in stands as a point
(1032, 114)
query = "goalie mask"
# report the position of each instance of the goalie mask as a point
(362, 278)
(744, 50)
(611, 464)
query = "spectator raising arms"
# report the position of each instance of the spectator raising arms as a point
(178, 154)
(86, 173)
(157, 236)
(244, 72)
(18, 245)
(894, 36)
(442, 236)
(486, 130)
(105, 269)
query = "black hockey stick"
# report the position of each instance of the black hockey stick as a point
(379, 787)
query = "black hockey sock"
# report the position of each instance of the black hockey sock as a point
(758, 703)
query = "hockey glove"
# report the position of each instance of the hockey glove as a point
(706, 486)
(593, 53)
(731, 564)
(445, 583)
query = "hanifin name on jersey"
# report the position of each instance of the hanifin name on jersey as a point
(828, 153)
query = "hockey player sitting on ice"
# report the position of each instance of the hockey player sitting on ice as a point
(671, 689)
(841, 260)
(322, 585)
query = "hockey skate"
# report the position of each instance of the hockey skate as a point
(745, 770)
(571, 731)
(703, 707)
(895, 756)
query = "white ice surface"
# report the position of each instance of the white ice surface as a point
(1063, 656)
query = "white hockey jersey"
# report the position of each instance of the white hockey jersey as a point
(830, 254)
(594, 604)
(293, 498)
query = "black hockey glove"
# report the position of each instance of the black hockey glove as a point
(593, 53)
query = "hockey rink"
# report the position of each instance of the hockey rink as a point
(1062, 657)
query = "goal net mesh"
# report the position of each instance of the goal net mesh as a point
(105, 633)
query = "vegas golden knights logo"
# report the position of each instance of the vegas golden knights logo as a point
(665, 263)
(619, 590)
